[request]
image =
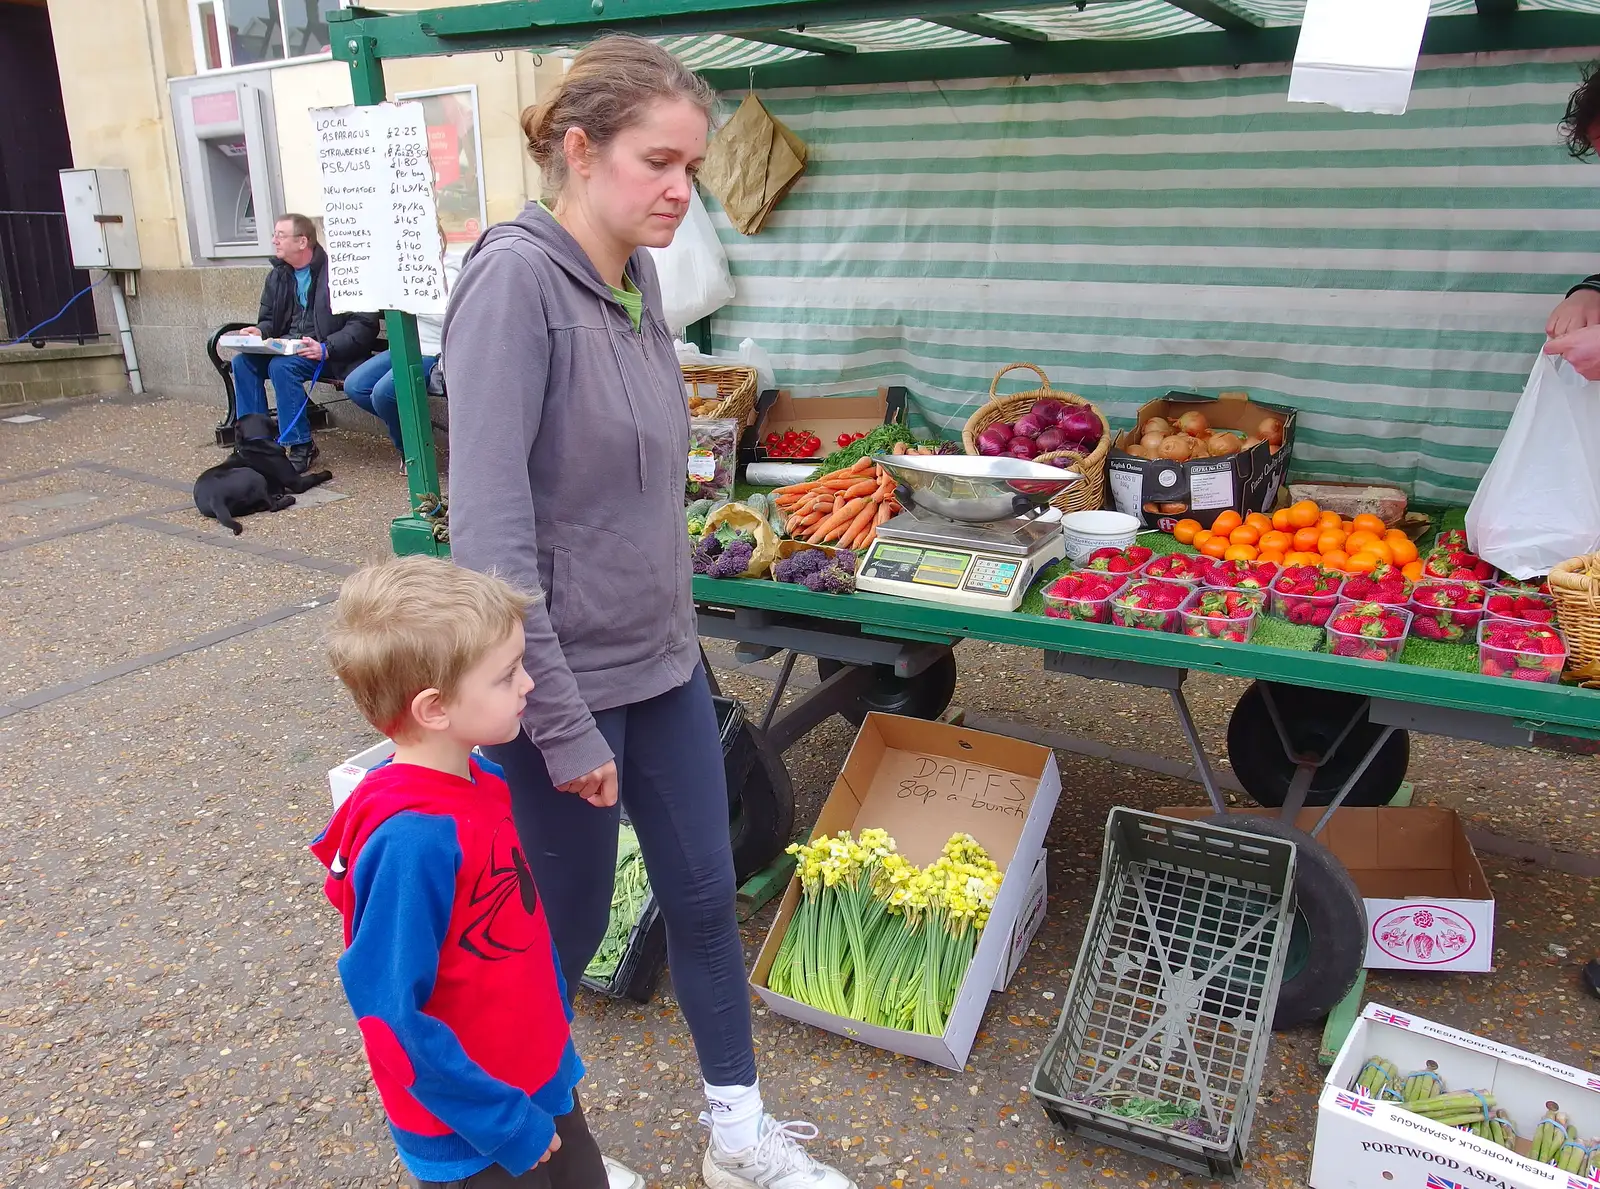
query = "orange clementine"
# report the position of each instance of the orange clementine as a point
(1245, 534)
(1382, 548)
(1216, 546)
(1412, 570)
(1403, 548)
(1201, 537)
(1330, 520)
(1276, 542)
(1281, 521)
(1363, 563)
(1272, 555)
(1359, 540)
(1240, 553)
(1335, 559)
(1226, 522)
(1304, 514)
(1299, 557)
(1259, 521)
(1371, 524)
(1329, 540)
(1183, 532)
(1305, 539)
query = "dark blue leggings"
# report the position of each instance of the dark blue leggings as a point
(671, 780)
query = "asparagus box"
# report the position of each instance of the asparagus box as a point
(342, 780)
(923, 781)
(1429, 906)
(1363, 1142)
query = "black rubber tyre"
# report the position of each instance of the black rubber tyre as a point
(760, 802)
(1330, 920)
(1313, 718)
(927, 695)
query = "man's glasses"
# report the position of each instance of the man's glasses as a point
(284, 235)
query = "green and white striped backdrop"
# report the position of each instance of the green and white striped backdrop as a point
(1388, 276)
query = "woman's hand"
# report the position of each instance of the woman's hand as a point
(1580, 310)
(599, 788)
(1580, 348)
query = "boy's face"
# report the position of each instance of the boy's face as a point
(487, 706)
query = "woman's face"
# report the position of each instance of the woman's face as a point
(638, 186)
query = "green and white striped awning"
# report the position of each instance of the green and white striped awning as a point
(1100, 20)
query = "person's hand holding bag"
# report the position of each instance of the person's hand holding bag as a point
(1580, 346)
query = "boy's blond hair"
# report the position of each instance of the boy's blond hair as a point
(415, 623)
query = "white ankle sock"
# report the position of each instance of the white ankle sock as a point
(735, 1115)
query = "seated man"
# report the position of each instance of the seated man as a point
(294, 304)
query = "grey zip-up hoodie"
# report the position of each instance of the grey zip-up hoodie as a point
(569, 439)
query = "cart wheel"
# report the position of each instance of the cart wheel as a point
(927, 695)
(1313, 719)
(1328, 932)
(760, 802)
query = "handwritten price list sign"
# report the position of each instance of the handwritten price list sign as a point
(380, 228)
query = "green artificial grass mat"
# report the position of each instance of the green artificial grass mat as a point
(1456, 656)
(1276, 632)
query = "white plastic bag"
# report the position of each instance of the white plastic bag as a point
(693, 269)
(751, 354)
(1539, 501)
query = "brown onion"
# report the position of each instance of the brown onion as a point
(1176, 448)
(1152, 440)
(1158, 425)
(1271, 429)
(1194, 424)
(1222, 444)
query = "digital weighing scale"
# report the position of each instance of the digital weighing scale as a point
(975, 531)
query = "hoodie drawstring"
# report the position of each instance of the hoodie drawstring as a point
(627, 389)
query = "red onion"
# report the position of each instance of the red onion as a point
(994, 440)
(1049, 440)
(1022, 447)
(1031, 426)
(1079, 424)
(1047, 410)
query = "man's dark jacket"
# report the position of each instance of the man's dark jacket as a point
(349, 337)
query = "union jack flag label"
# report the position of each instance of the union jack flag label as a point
(1579, 1183)
(1594, 1083)
(1440, 1183)
(1389, 1017)
(1353, 1102)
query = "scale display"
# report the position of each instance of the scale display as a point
(942, 574)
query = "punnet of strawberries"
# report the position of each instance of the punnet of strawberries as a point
(1306, 594)
(1118, 561)
(1149, 605)
(1179, 567)
(1084, 595)
(1446, 610)
(1368, 631)
(1502, 603)
(1521, 651)
(1222, 614)
(1458, 565)
(1385, 584)
(1241, 575)
(1513, 586)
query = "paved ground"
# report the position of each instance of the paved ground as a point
(168, 1009)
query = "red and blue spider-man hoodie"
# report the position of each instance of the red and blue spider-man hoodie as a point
(449, 967)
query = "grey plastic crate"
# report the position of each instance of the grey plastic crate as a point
(1174, 991)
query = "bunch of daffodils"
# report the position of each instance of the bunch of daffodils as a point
(879, 940)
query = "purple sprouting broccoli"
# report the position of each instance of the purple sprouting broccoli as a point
(797, 566)
(734, 559)
(831, 579)
(705, 553)
(846, 559)
(1198, 1128)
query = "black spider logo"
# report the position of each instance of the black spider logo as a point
(501, 928)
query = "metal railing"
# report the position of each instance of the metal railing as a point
(37, 279)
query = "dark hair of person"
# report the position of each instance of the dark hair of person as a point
(1583, 113)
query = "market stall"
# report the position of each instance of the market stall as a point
(1337, 682)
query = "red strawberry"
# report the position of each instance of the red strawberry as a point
(1537, 674)
(1167, 597)
(1139, 554)
(1490, 667)
(1121, 565)
(1428, 628)
(1105, 551)
(1349, 623)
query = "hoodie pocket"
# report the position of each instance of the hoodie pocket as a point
(609, 606)
(559, 596)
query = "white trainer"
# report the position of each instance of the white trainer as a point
(776, 1161)
(620, 1176)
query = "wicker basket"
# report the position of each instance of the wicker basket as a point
(1575, 585)
(1080, 497)
(736, 385)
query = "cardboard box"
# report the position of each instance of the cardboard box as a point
(1029, 919)
(826, 416)
(342, 780)
(1429, 906)
(923, 781)
(1362, 1142)
(1161, 492)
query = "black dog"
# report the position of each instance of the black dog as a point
(256, 477)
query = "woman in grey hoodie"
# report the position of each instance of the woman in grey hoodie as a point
(568, 446)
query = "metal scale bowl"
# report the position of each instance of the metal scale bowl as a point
(974, 531)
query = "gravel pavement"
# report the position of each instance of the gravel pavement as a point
(169, 1011)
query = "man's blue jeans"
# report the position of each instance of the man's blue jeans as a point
(289, 375)
(371, 386)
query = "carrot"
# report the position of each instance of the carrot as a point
(864, 487)
(861, 465)
(867, 538)
(837, 520)
(885, 510)
(863, 521)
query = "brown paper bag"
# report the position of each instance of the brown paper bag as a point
(752, 164)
